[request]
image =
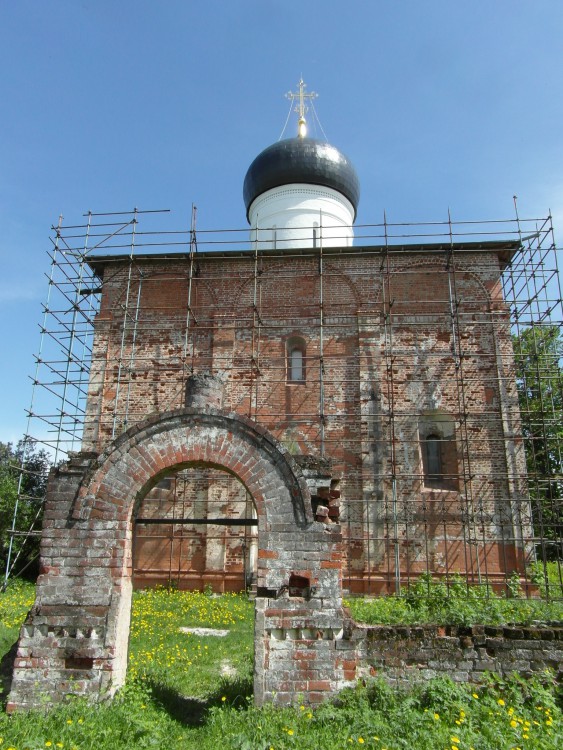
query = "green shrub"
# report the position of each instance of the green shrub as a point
(548, 577)
(454, 602)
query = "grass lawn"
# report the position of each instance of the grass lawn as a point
(186, 690)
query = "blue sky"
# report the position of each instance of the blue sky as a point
(111, 104)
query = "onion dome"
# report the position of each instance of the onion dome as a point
(303, 161)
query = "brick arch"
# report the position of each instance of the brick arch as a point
(338, 286)
(340, 289)
(429, 264)
(81, 616)
(189, 437)
(176, 282)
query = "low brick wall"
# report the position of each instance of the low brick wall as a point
(404, 655)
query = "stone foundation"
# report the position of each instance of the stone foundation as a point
(407, 654)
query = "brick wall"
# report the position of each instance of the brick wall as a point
(402, 345)
(177, 542)
(404, 655)
(389, 356)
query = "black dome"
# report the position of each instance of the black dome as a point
(303, 160)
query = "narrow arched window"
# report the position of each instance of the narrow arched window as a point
(296, 373)
(296, 360)
(433, 450)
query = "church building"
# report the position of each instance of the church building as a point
(385, 369)
(305, 415)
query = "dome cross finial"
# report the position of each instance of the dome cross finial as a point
(301, 107)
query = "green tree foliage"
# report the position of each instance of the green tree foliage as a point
(538, 355)
(23, 480)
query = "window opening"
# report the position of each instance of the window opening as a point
(296, 358)
(433, 446)
(296, 373)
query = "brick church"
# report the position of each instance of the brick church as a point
(385, 369)
(305, 416)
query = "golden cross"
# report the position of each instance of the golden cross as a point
(301, 108)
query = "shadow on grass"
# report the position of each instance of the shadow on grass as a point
(191, 711)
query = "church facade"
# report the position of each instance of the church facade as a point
(392, 365)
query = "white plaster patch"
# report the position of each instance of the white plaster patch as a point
(205, 631)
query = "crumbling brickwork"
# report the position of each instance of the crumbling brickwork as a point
(362, 403)
(397, 348)
(409, 654)
(75, 637)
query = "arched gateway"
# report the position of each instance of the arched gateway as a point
(75, 637)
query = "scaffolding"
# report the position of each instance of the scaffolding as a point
(101, 287)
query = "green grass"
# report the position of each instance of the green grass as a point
(186, 691)
(163, 655)
(14, 605)
(455, 603)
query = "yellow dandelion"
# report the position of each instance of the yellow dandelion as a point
(455, 740)
(436, 717)
(549, 722)
(224, 698)
(501, 702)
(290, 732)
(475, 695)
(302, 708)
(360, 740)
(48, 743)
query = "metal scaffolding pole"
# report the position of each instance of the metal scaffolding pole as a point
(111, 254)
